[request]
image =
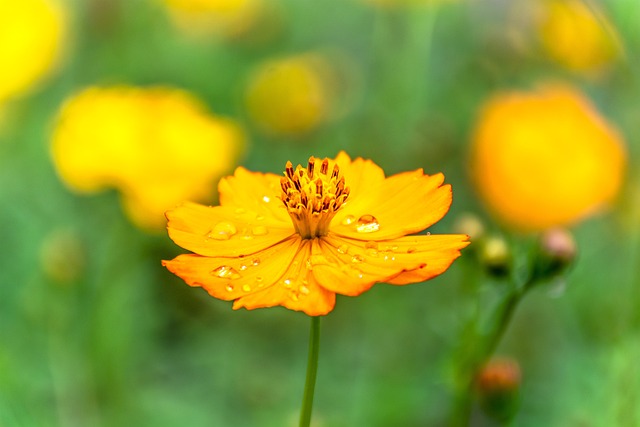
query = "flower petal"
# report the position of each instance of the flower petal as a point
(296, 289)
(232, 278)
(224, 231)
(258, 192)
(403, 204)
(350, 267)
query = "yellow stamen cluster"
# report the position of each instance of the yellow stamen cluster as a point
(313, 197)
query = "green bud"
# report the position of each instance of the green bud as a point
(495, 256)
(498, 388)
(556, 251)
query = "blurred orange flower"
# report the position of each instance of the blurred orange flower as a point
(545, 159)
(222, 17)
(158, 146)
(290, 96)
(576, 35)
(31, 33)
(336, 226)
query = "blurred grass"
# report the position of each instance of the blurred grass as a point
(128, 344)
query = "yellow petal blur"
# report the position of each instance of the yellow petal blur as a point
(545, 159)
(31, 36)
(289, 96)
(157, 146)
(574, 36)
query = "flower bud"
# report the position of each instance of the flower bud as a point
(469, 224)
(498, 386)
(555, 252)
(495, 256)
(62, 257)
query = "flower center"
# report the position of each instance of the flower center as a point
(313, 196)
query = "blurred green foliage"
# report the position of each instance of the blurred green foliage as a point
(106, 337)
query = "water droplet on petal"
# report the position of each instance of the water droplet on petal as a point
(348, 220)
(255, 262)
(226, 272)
(259, 281)
(428, 233)
(222, 231)
(243, 267)
(367, 224)
(294, 296)
(304, 290)
(229, 288)
(287, 283)
(266, 199)
(343, 249)
(259, 230)
(357, 258)
(314, 260)
(371, 252)
(246, 288)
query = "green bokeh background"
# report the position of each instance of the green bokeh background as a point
(129, 344)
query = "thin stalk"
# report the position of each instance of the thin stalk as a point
(312, 370)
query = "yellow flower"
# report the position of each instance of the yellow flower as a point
(223, 17)
(290, 96)
(575, 37)
(336, 226)
(31, 33)
(158, 146)
(545, 159)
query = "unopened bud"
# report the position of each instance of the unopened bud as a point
(556, 251)
(62, 257)
(495, 256)
(469, 224)
(498, 386)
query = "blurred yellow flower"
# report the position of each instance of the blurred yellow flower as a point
(158, 146)
(221, 17)
(290, 96)
(31, 33)
(576, 36)
(545, 159)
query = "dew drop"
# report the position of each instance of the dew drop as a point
(371, 245)
(314, 260)
(266, 199)
(294, 296)
(428, 233)
(222, 231)
(243, 267)
(371, 252)
(388, 257)
(255, 262)
(357, 258)
(287, 283)
(367, 224)
(348, 220)
(259, 230)
(229, 288)
(259, 280)
(304, 290)
(246, 288)
(343, 249)
(226, 272)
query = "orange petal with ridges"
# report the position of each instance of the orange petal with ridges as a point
(403, 204)
(259, 192)
(296, 289)
(224, 231)
(232, 278)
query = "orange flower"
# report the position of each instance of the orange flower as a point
(545, 159)
(338, 226)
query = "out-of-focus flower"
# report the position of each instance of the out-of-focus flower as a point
(292, 96)
(293, 241)
(545, 159)
(158, 146)
(31, 35)
(576, 35)
(498, 386)
(226, 18)
(62, 256)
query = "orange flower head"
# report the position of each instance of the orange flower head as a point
(545, 159)
(335, 227)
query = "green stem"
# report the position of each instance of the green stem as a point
(312, 370)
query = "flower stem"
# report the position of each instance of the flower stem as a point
(312, 370)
